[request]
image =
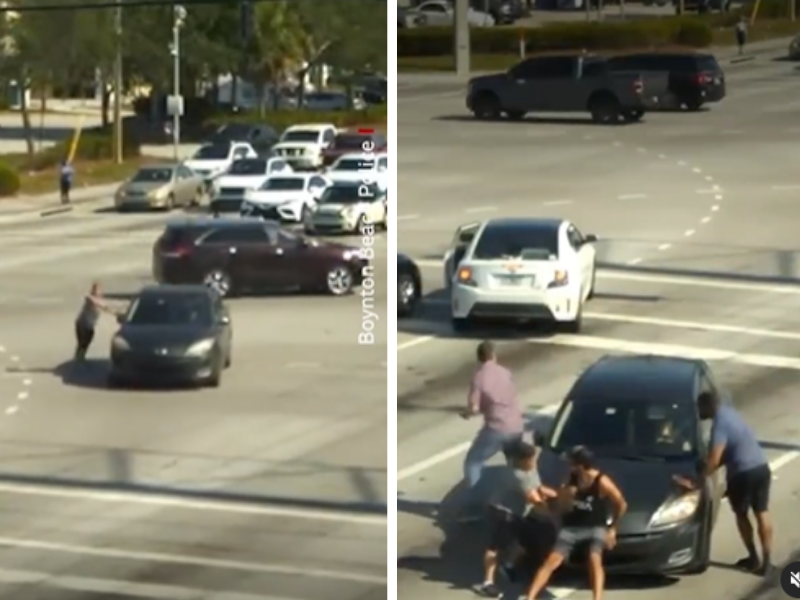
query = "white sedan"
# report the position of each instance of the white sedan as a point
(288, 198)
(358, 167)
(521, 269)
(349, 207)
(228, 190)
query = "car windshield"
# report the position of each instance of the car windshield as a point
(234, 131)
(171, 309)
(152, 176)
(212, 152)
(349, 194)
(353, 164)
(284, 184)
(301, 135)
(531, 243)
(352, 142)
(248, 166)
(633, 429)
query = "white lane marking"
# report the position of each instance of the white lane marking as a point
(634, 261)
(2, 349)
(481, 209)
(22, 396)
(689, 232)
(665, 246)
(444, 456)
(715, 208)
(12, 410)
(700, 281)
(414, 342)
(784, 459)
(681, 163)
(708, 191)
(695, 325)
(716, 188)
(631, 196)
(27, 382)
(187, 559)
(111, 588)
(697, 171)
(705, 220)
(785, 188)
(163, 501)
(557, 202)
(709, 178)
(636, 347)
(408, 217)
(662, 156)
(15, 359)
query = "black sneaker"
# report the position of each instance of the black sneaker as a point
(509, 572)
(749, 564)
(489, 590)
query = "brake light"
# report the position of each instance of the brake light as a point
(638, 86)
(703, 78)
(181, 251)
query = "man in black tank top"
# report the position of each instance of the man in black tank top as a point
(584, 502)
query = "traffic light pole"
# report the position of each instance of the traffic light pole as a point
(118, 143)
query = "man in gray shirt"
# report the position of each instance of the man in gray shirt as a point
(87, 319)
(493, 396)
(511, 528)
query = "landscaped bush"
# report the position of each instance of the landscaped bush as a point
(9, 180)
(281, 119)
(683, 31)
(94, 144)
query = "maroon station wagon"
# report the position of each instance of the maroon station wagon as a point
(235, 256)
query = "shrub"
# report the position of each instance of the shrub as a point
(281, 119)
(438, 41)
(94, 144)
(9, 180)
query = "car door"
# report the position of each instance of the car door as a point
(185, 185)
(715, 483)
(584, 255)
(245, 253)
(462, 239)
(328, 136)
(376, 208)
(524, 93)
(554, 80)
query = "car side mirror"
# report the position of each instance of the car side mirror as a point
(225, 320)
(590, 239)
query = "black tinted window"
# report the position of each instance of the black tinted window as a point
(233, 235)
(594, 69)
(629, 428)
(706, 62)
(171, 309)
(213, 152)
(552, 67)
(532, 243)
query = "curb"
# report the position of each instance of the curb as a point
(59, 210)
(743, 59)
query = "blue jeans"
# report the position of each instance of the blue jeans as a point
(486, 444)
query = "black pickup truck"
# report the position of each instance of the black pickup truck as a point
(564, 84)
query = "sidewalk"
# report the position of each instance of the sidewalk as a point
(21, 208)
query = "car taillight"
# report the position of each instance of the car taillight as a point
(703, 78)
(638, 86)
(177, 252)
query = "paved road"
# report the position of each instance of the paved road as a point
(300, 421)
(696, 215)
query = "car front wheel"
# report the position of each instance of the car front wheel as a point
(339, 280)
(406, 295)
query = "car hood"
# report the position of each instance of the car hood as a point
(488, 80)
(276, 197)
(144, 187)
(328, 209)
(646, 486)
(240, 181)
(163, 336)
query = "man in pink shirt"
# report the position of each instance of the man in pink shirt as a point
(493, 395)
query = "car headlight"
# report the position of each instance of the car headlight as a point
(676, 510)
(200, 348)
(351, 255)
(159, 194)
(119, 344)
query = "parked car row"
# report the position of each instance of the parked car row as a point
(441, 13)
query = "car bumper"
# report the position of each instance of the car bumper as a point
(552, 305)
(137, 368)
(226, 204)
(273, 213)
(332, 226)
(670, 551)
(713, 94)
(140, 203)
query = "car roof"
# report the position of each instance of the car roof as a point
(209, 222)
(310, 126)
(176, 289)
(638, 377)
(523, 223)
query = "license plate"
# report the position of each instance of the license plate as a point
(717, 80)
(513, 281)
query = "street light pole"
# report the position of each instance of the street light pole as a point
(177, 109)
(118, 154)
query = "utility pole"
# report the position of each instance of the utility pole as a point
(118, 154)
(175, 106)
(461, 38)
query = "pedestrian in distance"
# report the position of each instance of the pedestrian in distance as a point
(492, 396)
(66, 175)
(741, 34)
(585, 500)
(87, 319)
(734, 445)
(514, 523)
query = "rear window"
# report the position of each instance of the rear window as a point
(530, 243)
(178, 236)
(706, 62)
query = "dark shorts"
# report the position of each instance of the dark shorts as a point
(570, 538)
(505, 529)
(749, 490)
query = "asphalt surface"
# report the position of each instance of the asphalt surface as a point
(298, 429)
(696, 215)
